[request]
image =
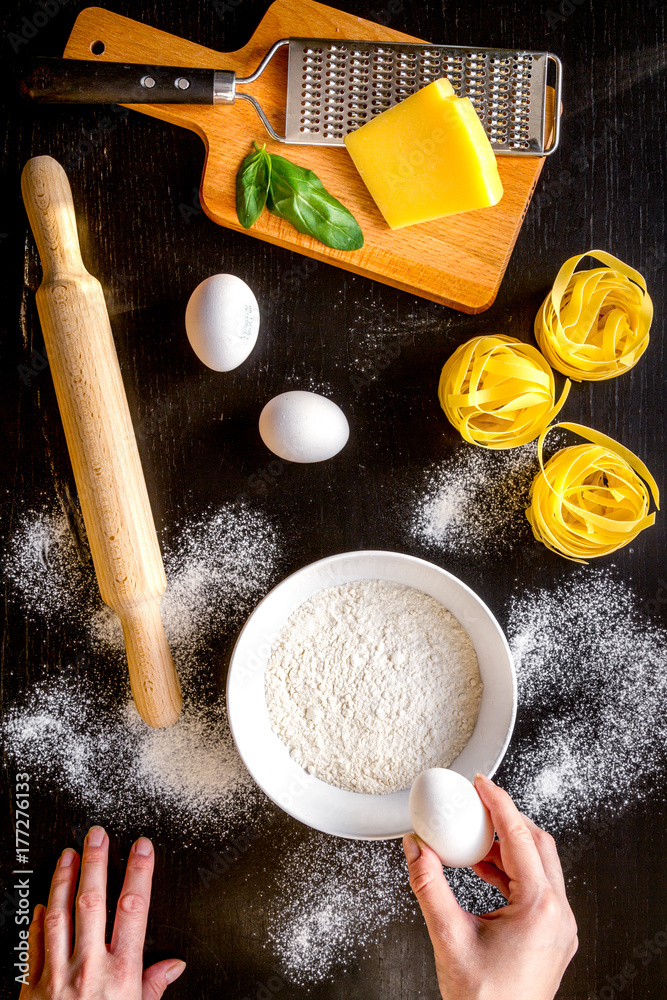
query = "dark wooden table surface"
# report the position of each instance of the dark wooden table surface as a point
(605, 188)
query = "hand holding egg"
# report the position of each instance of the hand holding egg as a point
(516, 952)
(449, 816)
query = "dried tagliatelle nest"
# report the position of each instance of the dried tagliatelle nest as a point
(594, 325)
(499, 392)
(589, 500)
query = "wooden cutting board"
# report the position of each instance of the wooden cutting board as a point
(459, 261)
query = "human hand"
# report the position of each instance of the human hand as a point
(518, 952)
(92, 969)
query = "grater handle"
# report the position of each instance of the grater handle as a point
(241, 80)
(51, 80)
(558, 91)
(86, 81)
(81, 81)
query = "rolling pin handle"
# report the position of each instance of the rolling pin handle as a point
(50, 208)
(153, 678)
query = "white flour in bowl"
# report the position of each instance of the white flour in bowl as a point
(372, 682)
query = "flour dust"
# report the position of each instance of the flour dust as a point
(83, 736)
(473, 503)
(592, 673)
(324, 924)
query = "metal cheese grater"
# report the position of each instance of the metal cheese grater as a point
(334, 86)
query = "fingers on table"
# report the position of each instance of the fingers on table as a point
(91, 899)
(132, 911)
(519, 855)
(36, 946)
(157, 977)
(57, 920)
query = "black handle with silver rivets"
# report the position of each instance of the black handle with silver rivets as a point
(83, 81)
(335, 86)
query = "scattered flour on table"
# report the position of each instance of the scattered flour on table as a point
(188, 777)
(216, 572)
(84, 736)
(591, 737)
(322, 923)
(377, 338)
(48, 562)
(471, 893)
(370, 683)
(473, 503)
(320, 926)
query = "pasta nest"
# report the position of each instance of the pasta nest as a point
(589, 500)
(594, 325)
(499, 392)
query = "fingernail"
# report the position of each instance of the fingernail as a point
(38, 911)
(411, 848)
(143, 846)
(174, 971)
(482, 778)
(67, 858)
(95, 836)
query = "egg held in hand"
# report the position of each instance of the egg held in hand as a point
(222, 321)
(301, 426)
(447, 814)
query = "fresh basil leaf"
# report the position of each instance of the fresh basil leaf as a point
(298, 195)
(252, 186)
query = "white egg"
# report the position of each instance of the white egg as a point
(222, 321)
(303, 427)
(449, 816)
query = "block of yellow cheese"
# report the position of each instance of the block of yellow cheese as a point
(426, 157)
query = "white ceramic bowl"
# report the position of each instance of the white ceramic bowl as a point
(314, 802)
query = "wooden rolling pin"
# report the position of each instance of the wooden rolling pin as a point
(101, 441)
